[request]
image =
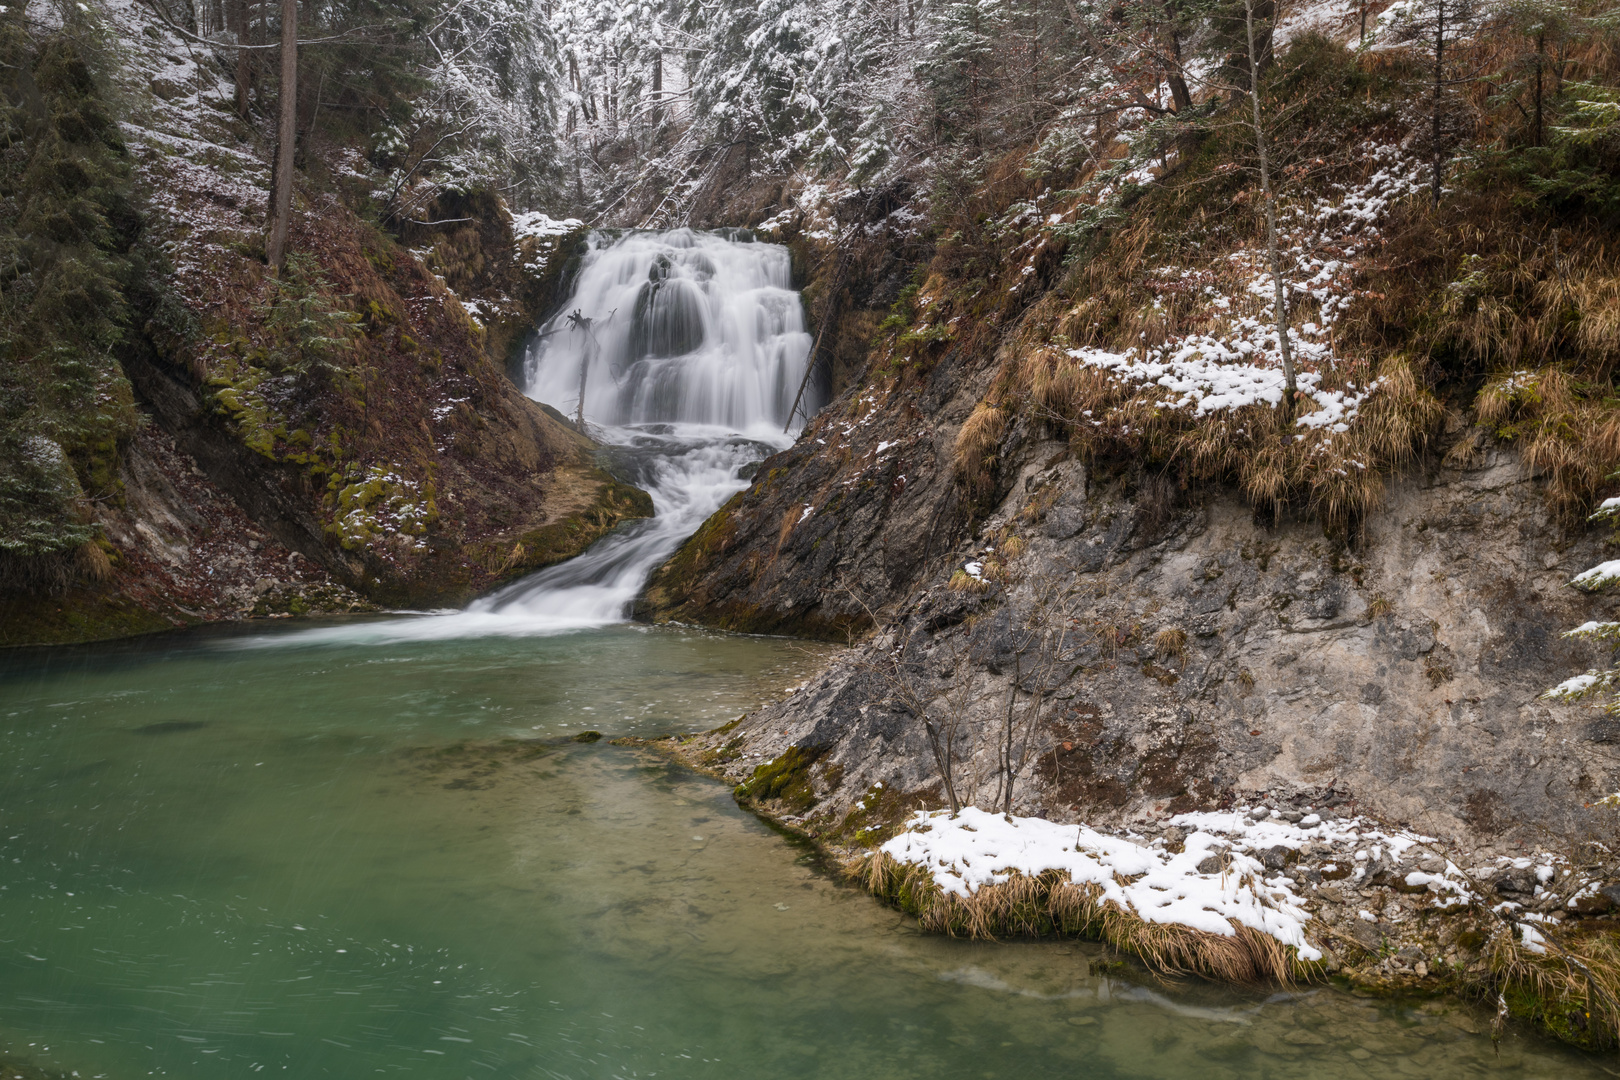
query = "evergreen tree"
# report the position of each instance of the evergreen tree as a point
(66, 224)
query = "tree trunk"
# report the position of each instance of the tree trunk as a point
(942, 759)
(587, 354)
(658, 86)
(1180, 95)
(1541, 53)
(286, 138)
(1439, 81)
(1274, 250)
(1007, 741)
(244, 69)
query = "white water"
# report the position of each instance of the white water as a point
(695, 350)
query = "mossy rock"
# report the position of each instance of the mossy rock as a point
(616, 503)
(79, 615)
(785, 779)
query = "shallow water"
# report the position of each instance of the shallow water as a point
(222, 860)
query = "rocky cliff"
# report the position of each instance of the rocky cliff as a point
(1156, 513)
(1151, 654)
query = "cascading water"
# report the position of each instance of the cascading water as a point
(684, 328)
(689, 349)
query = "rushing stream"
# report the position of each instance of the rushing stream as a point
(376, 849)
(685, 351)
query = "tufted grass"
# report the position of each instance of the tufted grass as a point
(1049, 904)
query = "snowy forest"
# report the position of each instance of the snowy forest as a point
(632, 113)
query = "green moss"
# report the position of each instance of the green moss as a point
(588, 737)
(615, 503)
(78, 615)
(874, 817)
(307, 599)
(1565, 1019)
(785, 779)
(377, 502)
(722, 755)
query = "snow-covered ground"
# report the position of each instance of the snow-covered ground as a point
(1220, 878)
(1237, 360)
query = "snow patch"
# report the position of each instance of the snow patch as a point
(977, 848)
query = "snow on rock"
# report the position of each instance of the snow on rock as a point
(1146, 878)
(977, 848)
(533, 223)
(547, 231)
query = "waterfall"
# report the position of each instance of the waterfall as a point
(689, 348)
(677, 327)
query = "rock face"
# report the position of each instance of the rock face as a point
(837, 528)
(182, 552)
(1136, 652)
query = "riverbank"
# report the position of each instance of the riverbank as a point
(1282, 892)
(460, 887)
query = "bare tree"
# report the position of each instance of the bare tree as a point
(1039, 654)
(578, 320)
(1269, 202)
(286, 139)
(944, 716)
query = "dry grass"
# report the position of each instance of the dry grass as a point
(977, 445)
(1337, 477)
(1050, 904)
(94, 564)
(1573, 988)
(962, 581)
(1564, 428)
(1534, 305)
(1170, 643)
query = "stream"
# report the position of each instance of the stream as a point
(374, 846)
(323, 860)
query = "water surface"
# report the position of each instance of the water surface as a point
(224, 860)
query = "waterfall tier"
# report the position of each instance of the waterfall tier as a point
(676, 327)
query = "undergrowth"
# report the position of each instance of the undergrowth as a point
(1503, 298)
(66, 229)
(1049, 904)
